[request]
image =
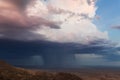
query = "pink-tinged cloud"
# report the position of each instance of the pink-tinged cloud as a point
(13, 12)
(15, 23)
(76, 20)
(73, 23)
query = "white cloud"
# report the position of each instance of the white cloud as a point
(75, 17)
(75, 6)
(37, 8)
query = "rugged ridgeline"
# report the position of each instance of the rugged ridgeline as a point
(8, 72)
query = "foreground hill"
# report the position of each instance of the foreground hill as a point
(8, 72)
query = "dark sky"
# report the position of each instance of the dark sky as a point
(49, 54)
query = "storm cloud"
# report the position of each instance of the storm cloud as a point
(14, 21)
(38, 18)
(54, 55)
(51, 33)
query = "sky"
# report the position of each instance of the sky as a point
(60, 33)
(109, 13)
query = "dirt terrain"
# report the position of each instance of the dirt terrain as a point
(8, 72)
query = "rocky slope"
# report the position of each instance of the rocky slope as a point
(8, 72)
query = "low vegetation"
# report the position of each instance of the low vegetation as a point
(8, 72)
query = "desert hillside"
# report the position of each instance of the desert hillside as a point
(8, 72)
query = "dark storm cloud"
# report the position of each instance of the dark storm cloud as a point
(97, 47)
(53, 54)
